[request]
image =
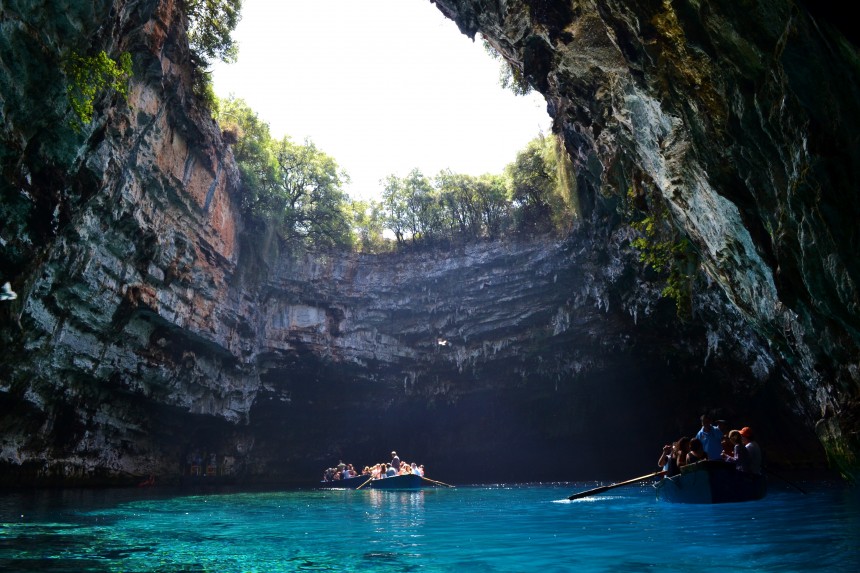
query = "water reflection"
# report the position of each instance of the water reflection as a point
(398, 519)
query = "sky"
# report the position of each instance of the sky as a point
(382, 86)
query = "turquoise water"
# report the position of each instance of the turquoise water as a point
(487, 528)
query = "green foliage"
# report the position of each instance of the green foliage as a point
(406, 206)
(474, 206)
(204, 90)
(451, 207)
(534, 195)
(510, 77)
(89, 76)
(368, 226)
(306, 198)
(661, 248)
(210, 25)
(294, 187)
(252, 150)
(297, 189)
(210, 28)
(541, 186)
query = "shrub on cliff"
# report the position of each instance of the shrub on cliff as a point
(89, 77)
(662, 247)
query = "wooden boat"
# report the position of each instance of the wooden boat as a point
(404, 482)
(711, 482)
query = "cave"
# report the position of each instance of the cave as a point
(152, 322)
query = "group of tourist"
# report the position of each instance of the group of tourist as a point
(713, 442)
(395, 467)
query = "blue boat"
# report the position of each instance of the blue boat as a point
(711, 482)
(403, 482)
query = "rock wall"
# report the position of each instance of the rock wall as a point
(151, 324)
(742, 116)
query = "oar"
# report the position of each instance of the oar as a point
(794, 485)
(437, 482)
(365, 483)
(603, 488)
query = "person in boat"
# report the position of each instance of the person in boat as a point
(389, 471)
(682, 448)
(665, 460)
(711, 437)
(740, 457)
(674, 456)
(753, 448)
(728, 447)
(347, 472)
(395, 461)
(697, 452)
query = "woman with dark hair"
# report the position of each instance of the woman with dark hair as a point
(697, 452)
(682, 448)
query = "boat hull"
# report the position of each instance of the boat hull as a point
(405, 482)
(711, 482)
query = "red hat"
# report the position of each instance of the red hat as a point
(746, 432)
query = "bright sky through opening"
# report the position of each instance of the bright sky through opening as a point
(383, 86)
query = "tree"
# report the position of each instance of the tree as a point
(394, 207)
(510, 76)
(541, 186)
(210, 25)
(308, 201)
(368, 225)
(460, 197)
(412, 208)
(294, 187)
(493, 203)
(531, 185)
(253, 151)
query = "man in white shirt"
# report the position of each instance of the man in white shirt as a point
(753, 449)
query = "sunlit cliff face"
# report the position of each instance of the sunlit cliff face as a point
(150, 322)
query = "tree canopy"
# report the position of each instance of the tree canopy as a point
(297, 189)
(210, 28)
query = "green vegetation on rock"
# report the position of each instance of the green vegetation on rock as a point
(210, 27)
(662, 247)
(89, 76)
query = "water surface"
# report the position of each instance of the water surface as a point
(479, 528)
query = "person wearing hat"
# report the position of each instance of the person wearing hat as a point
(395, 462)
(753, 448)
